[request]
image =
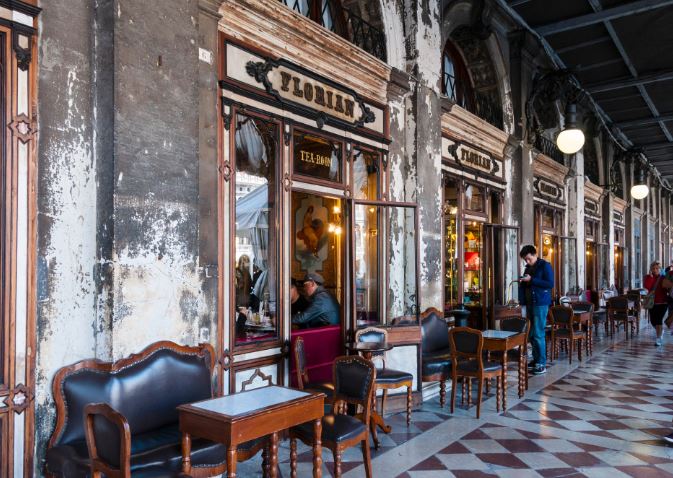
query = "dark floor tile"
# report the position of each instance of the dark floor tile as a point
(558, 472)
(558, 415)
(476, 435)
(609, 424)
(502, 459)
(472, 474)
(644, 472)
(587, 447)
(432, 463)
(521, 446)
(454, 448)
(579, 459)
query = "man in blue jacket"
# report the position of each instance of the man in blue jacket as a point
(323, 308)
(535, 293)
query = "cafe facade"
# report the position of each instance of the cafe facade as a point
(189, 160)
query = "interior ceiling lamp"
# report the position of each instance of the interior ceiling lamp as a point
(640, 190)
(571, 139)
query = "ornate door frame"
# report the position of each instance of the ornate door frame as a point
(18, 21)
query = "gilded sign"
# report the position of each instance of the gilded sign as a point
(315, 158)
(548, 190)
(591, 207)
(474, 159)
(287, 84)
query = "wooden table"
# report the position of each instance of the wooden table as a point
(238, 418)
(502, 341)
(368, 349)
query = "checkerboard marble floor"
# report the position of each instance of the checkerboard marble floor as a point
(602, 417)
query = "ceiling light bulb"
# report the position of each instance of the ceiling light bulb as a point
(570, 141)
(640, 191)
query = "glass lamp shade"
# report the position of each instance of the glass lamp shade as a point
(640, 191)
(570, 140)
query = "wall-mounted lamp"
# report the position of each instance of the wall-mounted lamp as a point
(571, 139)
(640, 190)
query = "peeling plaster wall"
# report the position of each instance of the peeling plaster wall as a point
(157, 282)
(67, 201)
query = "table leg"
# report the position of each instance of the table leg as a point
(591, 336)
(504, 380)
(317, 448)
(273, 456)
(186, 453)
(521, 371)
(232, 458)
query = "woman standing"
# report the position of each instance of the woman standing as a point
(653, 283)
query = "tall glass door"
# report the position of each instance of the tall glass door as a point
(502, 268)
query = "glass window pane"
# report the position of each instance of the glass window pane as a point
(474, 199)
(255, 268)
(366, 232)
(451, 245)
(472, 274)
(402, 302)
(365, 174)
(317, 157)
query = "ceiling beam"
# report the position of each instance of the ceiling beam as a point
(644, 121)
(516, 3)
(604, 15)
(664, 144)
(583, 44)
(661, 75)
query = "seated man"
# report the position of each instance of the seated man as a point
(323, 308)
(297, 301)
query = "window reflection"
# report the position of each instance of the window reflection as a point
(366, 264)
(317, 157)
(255, 258)
(365, 174)
(451, 244)
(474, 198)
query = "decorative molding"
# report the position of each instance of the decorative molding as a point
(287, 182)
(225, 170)
(225, 360)
(257, 23)
(22, 43)
(19, 398)
(22, 128)
(258, 373)
(462, 126)
(549, 191)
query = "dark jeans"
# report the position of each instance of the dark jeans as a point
(537, 333)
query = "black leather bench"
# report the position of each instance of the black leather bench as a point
(146, 388)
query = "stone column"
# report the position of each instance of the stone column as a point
(423, 141)
(522, 58)
(575, 215)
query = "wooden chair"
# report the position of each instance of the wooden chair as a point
(354, 379)
(303, 382)
(619, 314)
(386, 378)
(467, 361)
(585, 307)
(435, 351)
(517, 324)
(108, 439)
(564, 324)
(636, 310)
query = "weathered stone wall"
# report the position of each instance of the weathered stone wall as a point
(67, 325)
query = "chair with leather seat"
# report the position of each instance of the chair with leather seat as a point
(354, 379)
(468, 362)
(303, 381)
(637, 299)
(565, 326)
(386, 378)
(108, 439)
(435, 351)
(620, 314)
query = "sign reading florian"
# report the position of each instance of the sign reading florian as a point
(545, 189)
(473, 158)
(286, 84)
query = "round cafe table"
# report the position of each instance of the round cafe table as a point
(368, 349)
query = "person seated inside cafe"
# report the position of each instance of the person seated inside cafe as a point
(297, 301)
(322, 309)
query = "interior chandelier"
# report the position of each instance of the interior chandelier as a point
(571, 139)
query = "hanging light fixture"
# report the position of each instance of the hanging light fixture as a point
(640, 190)
(571, 139)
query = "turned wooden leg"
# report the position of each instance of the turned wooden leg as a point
(497, 394)
(317, 448)
(337, 464)
(504, 380)
(266, 465)
(463, 391)
(454, 385)
(232, 457)
(408, 405)
(293, 458)
(480, 394)
(273, 456)
(469, 391)
(366, 457)
(442, 393)
(186, 453)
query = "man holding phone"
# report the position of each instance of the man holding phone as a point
(535, 288)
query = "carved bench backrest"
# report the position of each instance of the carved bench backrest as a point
(145, 388)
